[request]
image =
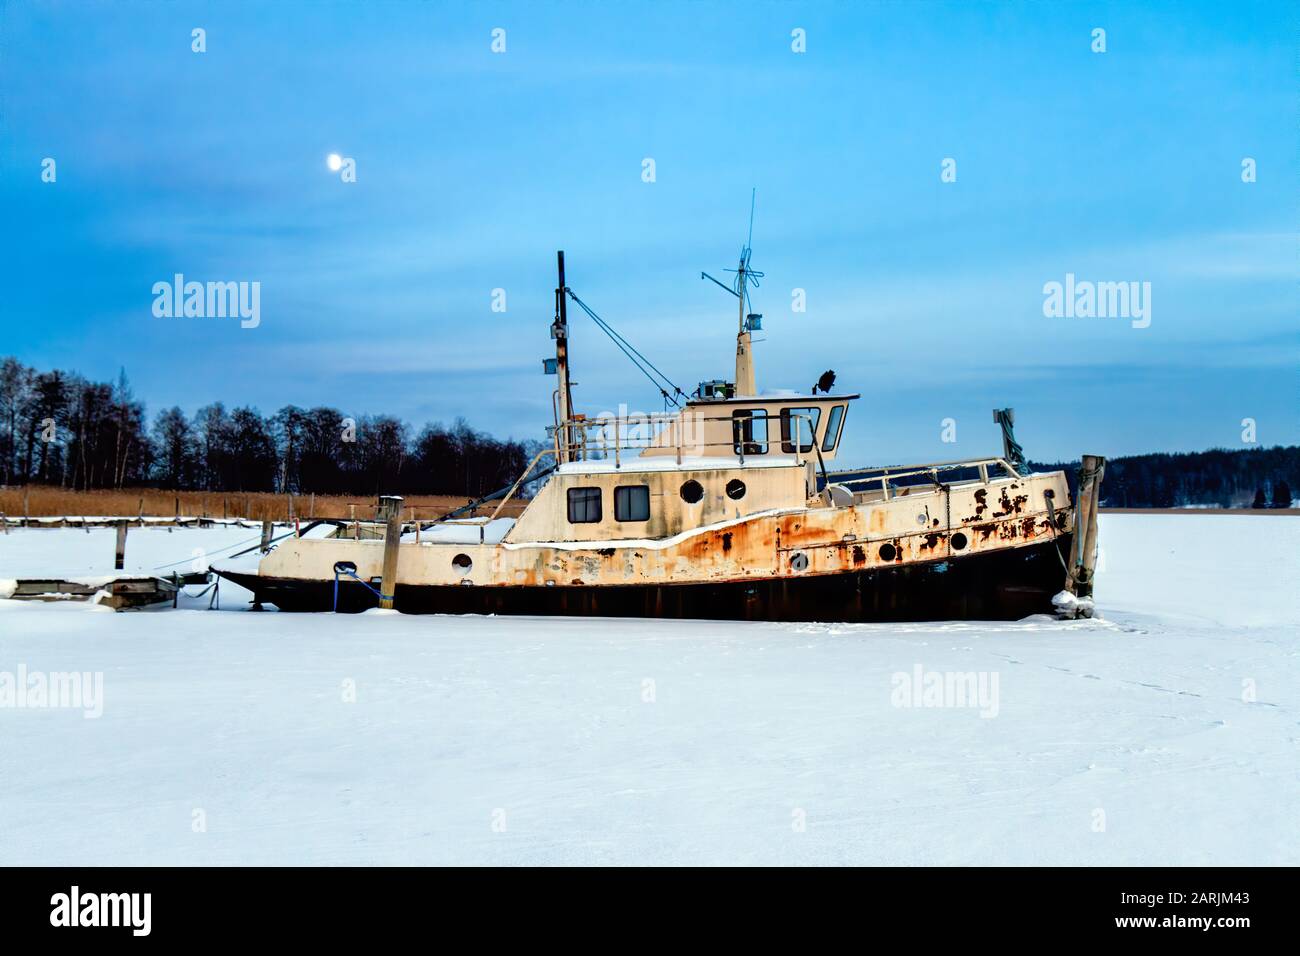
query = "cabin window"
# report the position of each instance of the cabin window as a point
(749, 431)
(632, 503)
(735, 489)
(833, 425)
(800, 423)
(692, 491)
(584, 505)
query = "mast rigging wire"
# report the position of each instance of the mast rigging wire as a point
(657, 378)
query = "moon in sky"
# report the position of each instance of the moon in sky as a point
(335, 162)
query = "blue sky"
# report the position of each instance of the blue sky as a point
(473, 167)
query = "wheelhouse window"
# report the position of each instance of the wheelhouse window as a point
(749, 431)
(799, 426)
(632, 503)
(584, 505)
(834, 423)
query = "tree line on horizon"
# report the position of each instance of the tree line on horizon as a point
(1218, 478)
(60, 428)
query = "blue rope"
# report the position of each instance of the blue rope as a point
(366, 584)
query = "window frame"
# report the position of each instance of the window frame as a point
(788, 419)
(598, 498)
(630, 488)
(738, 439)
(835, 418)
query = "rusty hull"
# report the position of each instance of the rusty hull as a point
(924, 527)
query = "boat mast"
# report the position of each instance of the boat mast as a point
(560, 332)
(744, 348)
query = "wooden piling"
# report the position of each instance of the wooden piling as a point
(119, 560)
(1083, 549)
(266, 535)
(390, 511)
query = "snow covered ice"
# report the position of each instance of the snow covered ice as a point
(1164, 731)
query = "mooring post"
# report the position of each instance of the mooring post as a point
(390, 511)
(266, 535)
(1083, 548)
(119, 561)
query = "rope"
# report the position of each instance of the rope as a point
(947, 515)
(162, 567)
(657, 378)
(1051, 519)
(366, 584)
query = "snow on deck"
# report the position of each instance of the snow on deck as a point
(463, 531)
(1165, 734)
(633, 462)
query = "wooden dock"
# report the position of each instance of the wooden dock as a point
(120, 592)
(92, 521)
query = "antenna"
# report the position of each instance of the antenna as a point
(753, 197)
(748, 321)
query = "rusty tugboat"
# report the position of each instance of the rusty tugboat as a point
(724, 508)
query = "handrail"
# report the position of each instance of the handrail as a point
(583, 446)
(925, 466)
(518, 481)
(889, 474)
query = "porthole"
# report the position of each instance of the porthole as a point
(799, 562)
(958, 541)
(462, 564)
(735, 489)
(692, 491)
(888, 552)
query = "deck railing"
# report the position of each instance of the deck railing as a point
(889, 477)
(615, 434)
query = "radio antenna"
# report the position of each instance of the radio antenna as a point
(748, 321)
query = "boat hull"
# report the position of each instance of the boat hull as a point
(1005, 584)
